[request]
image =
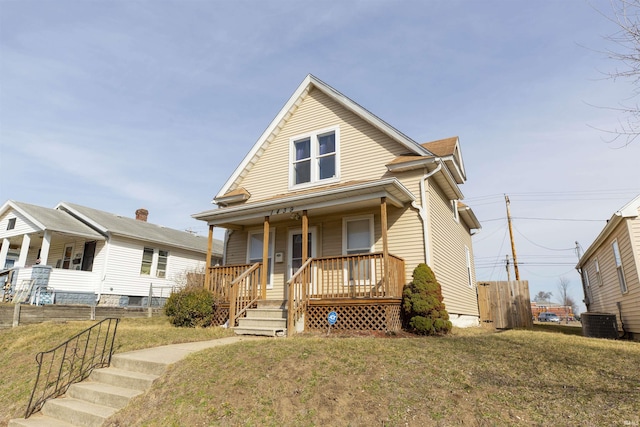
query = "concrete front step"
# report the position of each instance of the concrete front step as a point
(38, 420)
(77, 412)
(133, 362)
(263, 331)
(102, 394)
(123, 378)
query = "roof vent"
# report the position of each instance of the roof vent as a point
(142, 214)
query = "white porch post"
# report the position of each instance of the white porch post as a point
(24, 250)
(44, 249)
(3, 253)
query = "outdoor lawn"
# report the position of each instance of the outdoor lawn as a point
(548, 376)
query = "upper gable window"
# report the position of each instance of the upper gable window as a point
(315, 157)
(11, 224)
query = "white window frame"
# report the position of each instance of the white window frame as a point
(70, 259)
(363, 250)
(598, 276)
(11, 223)
(166, 265)
(272, 234)
(153, 270)
(314, 158)
(617, 259)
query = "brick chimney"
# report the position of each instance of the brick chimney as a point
(142, 214)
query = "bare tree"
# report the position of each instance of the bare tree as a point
(563, 295)
(543, 296)
(626, 17)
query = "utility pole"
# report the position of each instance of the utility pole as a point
(513, 245)
(508, 271)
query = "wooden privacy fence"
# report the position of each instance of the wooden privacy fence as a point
(505, 305)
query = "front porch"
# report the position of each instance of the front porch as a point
(365, 290)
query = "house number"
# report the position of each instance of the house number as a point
(282, 211)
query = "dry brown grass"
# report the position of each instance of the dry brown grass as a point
(472, 377)
(19, 346)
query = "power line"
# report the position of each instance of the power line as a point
(540, 246)
(558, 219)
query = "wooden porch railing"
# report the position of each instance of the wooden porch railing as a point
(351, 276)
(244, 291)
(220, 279)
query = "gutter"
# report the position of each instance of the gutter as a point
(423, 210)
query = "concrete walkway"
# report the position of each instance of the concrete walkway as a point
(107, 390)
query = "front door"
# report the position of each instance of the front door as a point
(294, 252)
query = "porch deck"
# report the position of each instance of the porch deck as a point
(364, 289)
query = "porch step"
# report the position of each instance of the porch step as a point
(262, 331)
(271, 322)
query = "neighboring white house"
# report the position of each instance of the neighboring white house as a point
(88, 256)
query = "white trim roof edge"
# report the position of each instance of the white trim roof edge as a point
(16, 206)
(341, 99)
(630, 210)
(301, 197)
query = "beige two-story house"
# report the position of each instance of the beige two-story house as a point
(331, 210)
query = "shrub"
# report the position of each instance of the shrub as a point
(423, 308)
(190, 307)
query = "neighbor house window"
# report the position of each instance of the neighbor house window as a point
(618, 259)
(11, 224)
(161, 271)
(314, 157)
(147, 261)
(597, 267)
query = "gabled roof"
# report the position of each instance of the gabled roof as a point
(447, 150)
(312, 82)
(108, 223)
(51, 219)
(630, 210)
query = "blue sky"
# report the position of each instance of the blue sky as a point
(119, 105)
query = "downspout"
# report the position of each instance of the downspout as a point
(422, 211)
(107, 246)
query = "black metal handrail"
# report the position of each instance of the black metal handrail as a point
(72, 361)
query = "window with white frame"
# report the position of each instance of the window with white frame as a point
(315, 157)
(147, 261)
(254, 252)
(357, 238)
(161, 270)
(618, 260)
(597, 268)
(154, 262)
(469, 277)
(11, 224)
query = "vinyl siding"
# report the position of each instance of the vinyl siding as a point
(448, 256)
(123, 267)
(606, 294)
(270, 175)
